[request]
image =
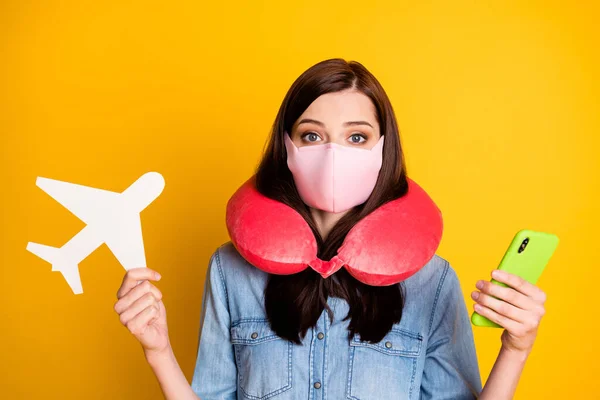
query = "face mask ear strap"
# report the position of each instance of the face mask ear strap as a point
(381, 141)
(289, 144)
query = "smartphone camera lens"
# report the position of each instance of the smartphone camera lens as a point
(523, 245)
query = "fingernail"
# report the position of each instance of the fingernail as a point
(158, 276)
(479, 285)
(496, 273)
(475, 295)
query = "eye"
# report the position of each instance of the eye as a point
(311, 137)
(358, 138)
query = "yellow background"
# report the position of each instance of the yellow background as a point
(498, 105)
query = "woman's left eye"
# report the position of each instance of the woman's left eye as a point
(357, 138)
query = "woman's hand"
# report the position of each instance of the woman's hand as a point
(518, 308)
(142, 311)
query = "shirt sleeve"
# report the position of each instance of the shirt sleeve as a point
(451, 370)
(215, 372)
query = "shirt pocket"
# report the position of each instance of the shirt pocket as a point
(384, 370)
(264, 360)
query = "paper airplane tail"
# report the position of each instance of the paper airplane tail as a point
(44, 252)
(52, 255)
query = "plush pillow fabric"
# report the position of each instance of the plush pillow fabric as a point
(385, 247)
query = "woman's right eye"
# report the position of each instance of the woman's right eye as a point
(310, 137)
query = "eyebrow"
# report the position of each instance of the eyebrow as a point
(349, 123)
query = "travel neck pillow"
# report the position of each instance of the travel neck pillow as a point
(385, 247)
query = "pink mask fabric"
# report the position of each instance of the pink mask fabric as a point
(332, 177)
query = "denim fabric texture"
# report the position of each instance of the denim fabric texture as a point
(430, 354)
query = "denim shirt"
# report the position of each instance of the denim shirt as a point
(430, 354)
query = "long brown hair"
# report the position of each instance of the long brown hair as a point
(294, 302)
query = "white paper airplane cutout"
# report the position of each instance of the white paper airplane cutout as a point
(112, 218)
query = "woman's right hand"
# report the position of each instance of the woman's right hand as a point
(142, 311)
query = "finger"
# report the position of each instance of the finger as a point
(507, 294)
(507, 323)
(138, 324)
(140, 304)
(519, 284)
(501, 307)
(131, 278)
(138, 291)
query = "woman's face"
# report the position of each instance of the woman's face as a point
(346, 118)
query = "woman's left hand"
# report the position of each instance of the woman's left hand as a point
(518, 308)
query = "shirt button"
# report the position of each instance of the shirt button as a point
(320, 336)
(254, 335)
(388, 345)
(317, 385)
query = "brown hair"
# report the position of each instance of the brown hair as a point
(294, 302)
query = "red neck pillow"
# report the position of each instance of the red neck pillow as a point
(385, 247)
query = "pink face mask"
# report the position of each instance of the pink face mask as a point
(332, 177)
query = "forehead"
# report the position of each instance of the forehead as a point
(342, 106)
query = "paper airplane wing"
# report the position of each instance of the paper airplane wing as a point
(84, 202)
(126, 242)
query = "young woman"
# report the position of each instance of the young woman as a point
(303, 336)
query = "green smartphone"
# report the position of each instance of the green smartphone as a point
(527, 256)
